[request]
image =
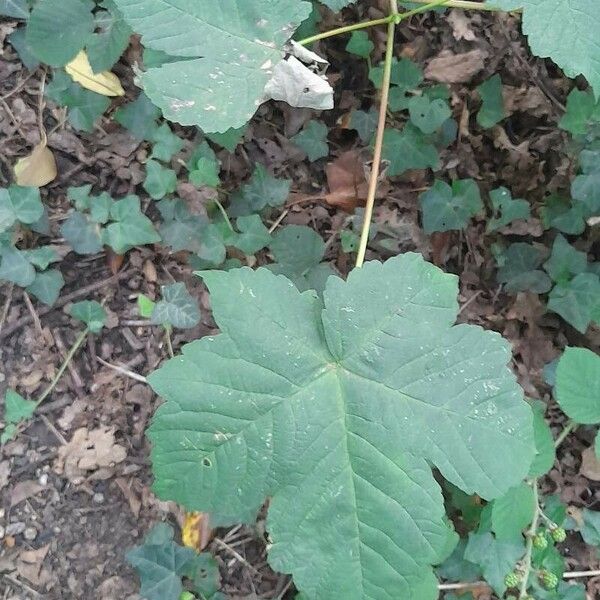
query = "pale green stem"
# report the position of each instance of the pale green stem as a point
(169, 343)
(224, 213)
(345, 29)
(465, 4)
(571, 426)
(530, 535)
(80, 339)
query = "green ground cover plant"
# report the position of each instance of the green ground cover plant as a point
(358, 409)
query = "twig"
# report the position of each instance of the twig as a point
(235, 554)
(34, 316)
(84, 291)
(7, 303)
(469, 301)
(277, 222)
(21, 585)
(571, 426)
(530, 535)
(122, 370)
(581, 574)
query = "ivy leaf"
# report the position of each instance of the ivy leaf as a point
(574, 48)
(131, 227)
(406, 74)
(15, 267)
(360, 44)
(586, 186)
(559, 213)
(428, 115)
(46, 286)
(19, 43)
(180, 230)
(450, 207)
(312, 140)
(159, 181)
(139, 117)
(227, 61)
(82, 234)
(85, 107)
(253, 234)
(177, 308)
(263, 189)
(582, 111)
(161, 563)
(145, 306)
(109, 40)
(58, 29)
(165, 143)
(228, 139)
(205, 172)
(91, 313)
(298, 250)
(41, 257)
(337, 5)
(365, 123)
(21, 204)
(576, 300)
(578, 385)
(16, 408)
(408, 149)
(506, 209)
(496, 558)
(513, 512)
(565, 261)
(369, 387)
(492, 104)
(590, 532)
(519, 269)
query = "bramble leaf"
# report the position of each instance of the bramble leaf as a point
(450, 207)
(565, 31)
(578, 385)
(512, 512)
(91, 313)
(177, 308)
(366, 389)
(506, 209)
(544, 442)
(229, 51)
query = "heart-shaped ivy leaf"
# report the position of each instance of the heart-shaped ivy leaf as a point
(336, 410)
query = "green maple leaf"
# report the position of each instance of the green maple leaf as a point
(228, 50)
(335, 410)
(565, 31)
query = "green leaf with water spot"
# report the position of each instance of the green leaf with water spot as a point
(367, 388)
(448, 207)
(228, 50)
(577, 387)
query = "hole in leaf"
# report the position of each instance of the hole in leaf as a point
(207, 462)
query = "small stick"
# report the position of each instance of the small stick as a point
(122, 370)
(235, 554)
(84, 291)
(7, 304)
(34, 316)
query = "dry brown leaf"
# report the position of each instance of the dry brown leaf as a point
(133, 500)
(347, 182)
(455, 68)
(105, 83)
(24, 490)
(4, 473)
(196, 532)
(37, 169)
(590, 465)
(89, 454)
(30, 564)
(461, 25)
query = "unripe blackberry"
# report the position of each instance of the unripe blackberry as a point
(512, 580)
(548, 580)
(558, 535)
(539, 541)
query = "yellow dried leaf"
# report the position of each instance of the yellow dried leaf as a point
(37, 169)
(105, 83)
(196, 532)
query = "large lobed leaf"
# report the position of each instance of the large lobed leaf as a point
(336, 410)
(565, 31)
(228, 49)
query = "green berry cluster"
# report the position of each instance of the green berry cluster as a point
(512, 580)
(548, 580)
(540, 541)
(558, 534)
